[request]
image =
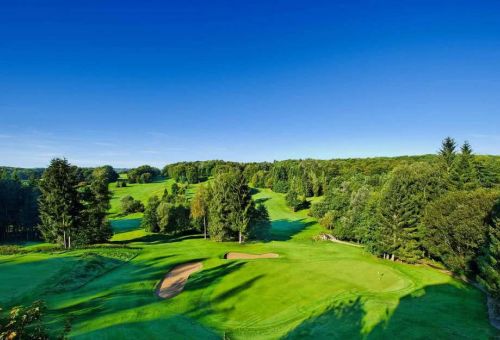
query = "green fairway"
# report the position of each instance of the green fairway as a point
(314, 289)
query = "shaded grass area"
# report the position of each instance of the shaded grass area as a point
(314, 289)
(410, 319)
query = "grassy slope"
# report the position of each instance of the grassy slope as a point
(315, 289)
(140, 192)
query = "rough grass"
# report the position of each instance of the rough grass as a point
(314, 289)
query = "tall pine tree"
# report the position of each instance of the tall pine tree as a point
(464, 172)
(59, 204)
(448, 152)
(489, 263)
(96, 228)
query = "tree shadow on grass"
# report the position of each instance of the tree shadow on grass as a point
(446, 311)
(204, 307)
(125, 225)
(159, 238)
(254, 191)
(171, 327)
(210, 276)
(237, 289)
(285, 229)
(441, 311)
(341, 321)
(262, 200)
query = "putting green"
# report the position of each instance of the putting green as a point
(313, 289)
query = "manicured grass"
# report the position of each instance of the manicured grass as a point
(140, 192)
(314, 289)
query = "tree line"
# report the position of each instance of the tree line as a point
(18, 207)
(26, 196)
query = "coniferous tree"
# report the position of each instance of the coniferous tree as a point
(486, 176)
(354, 216)
(489, 263)
(95, 227)
(465, 172)
(448, 152)
(60, 207)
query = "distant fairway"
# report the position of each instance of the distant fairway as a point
(141, 192)
(315, 289)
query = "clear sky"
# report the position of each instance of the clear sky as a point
(157, 81)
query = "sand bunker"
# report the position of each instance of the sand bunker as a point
(235, 256)
(176, 279)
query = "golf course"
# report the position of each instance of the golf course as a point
(305, 288)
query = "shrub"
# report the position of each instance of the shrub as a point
(130, 205)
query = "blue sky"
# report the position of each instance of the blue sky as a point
(133, 82)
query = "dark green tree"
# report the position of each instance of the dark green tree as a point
(231, 206)
(489, 262)
(95, 228)
(129, 205)
(448, 152)
(456, 227)
(465, 174)
(150, 219)
(111, 174)
(172, 217)
(295, 201)
(403, 200)
(174, 189)
(59, 204)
